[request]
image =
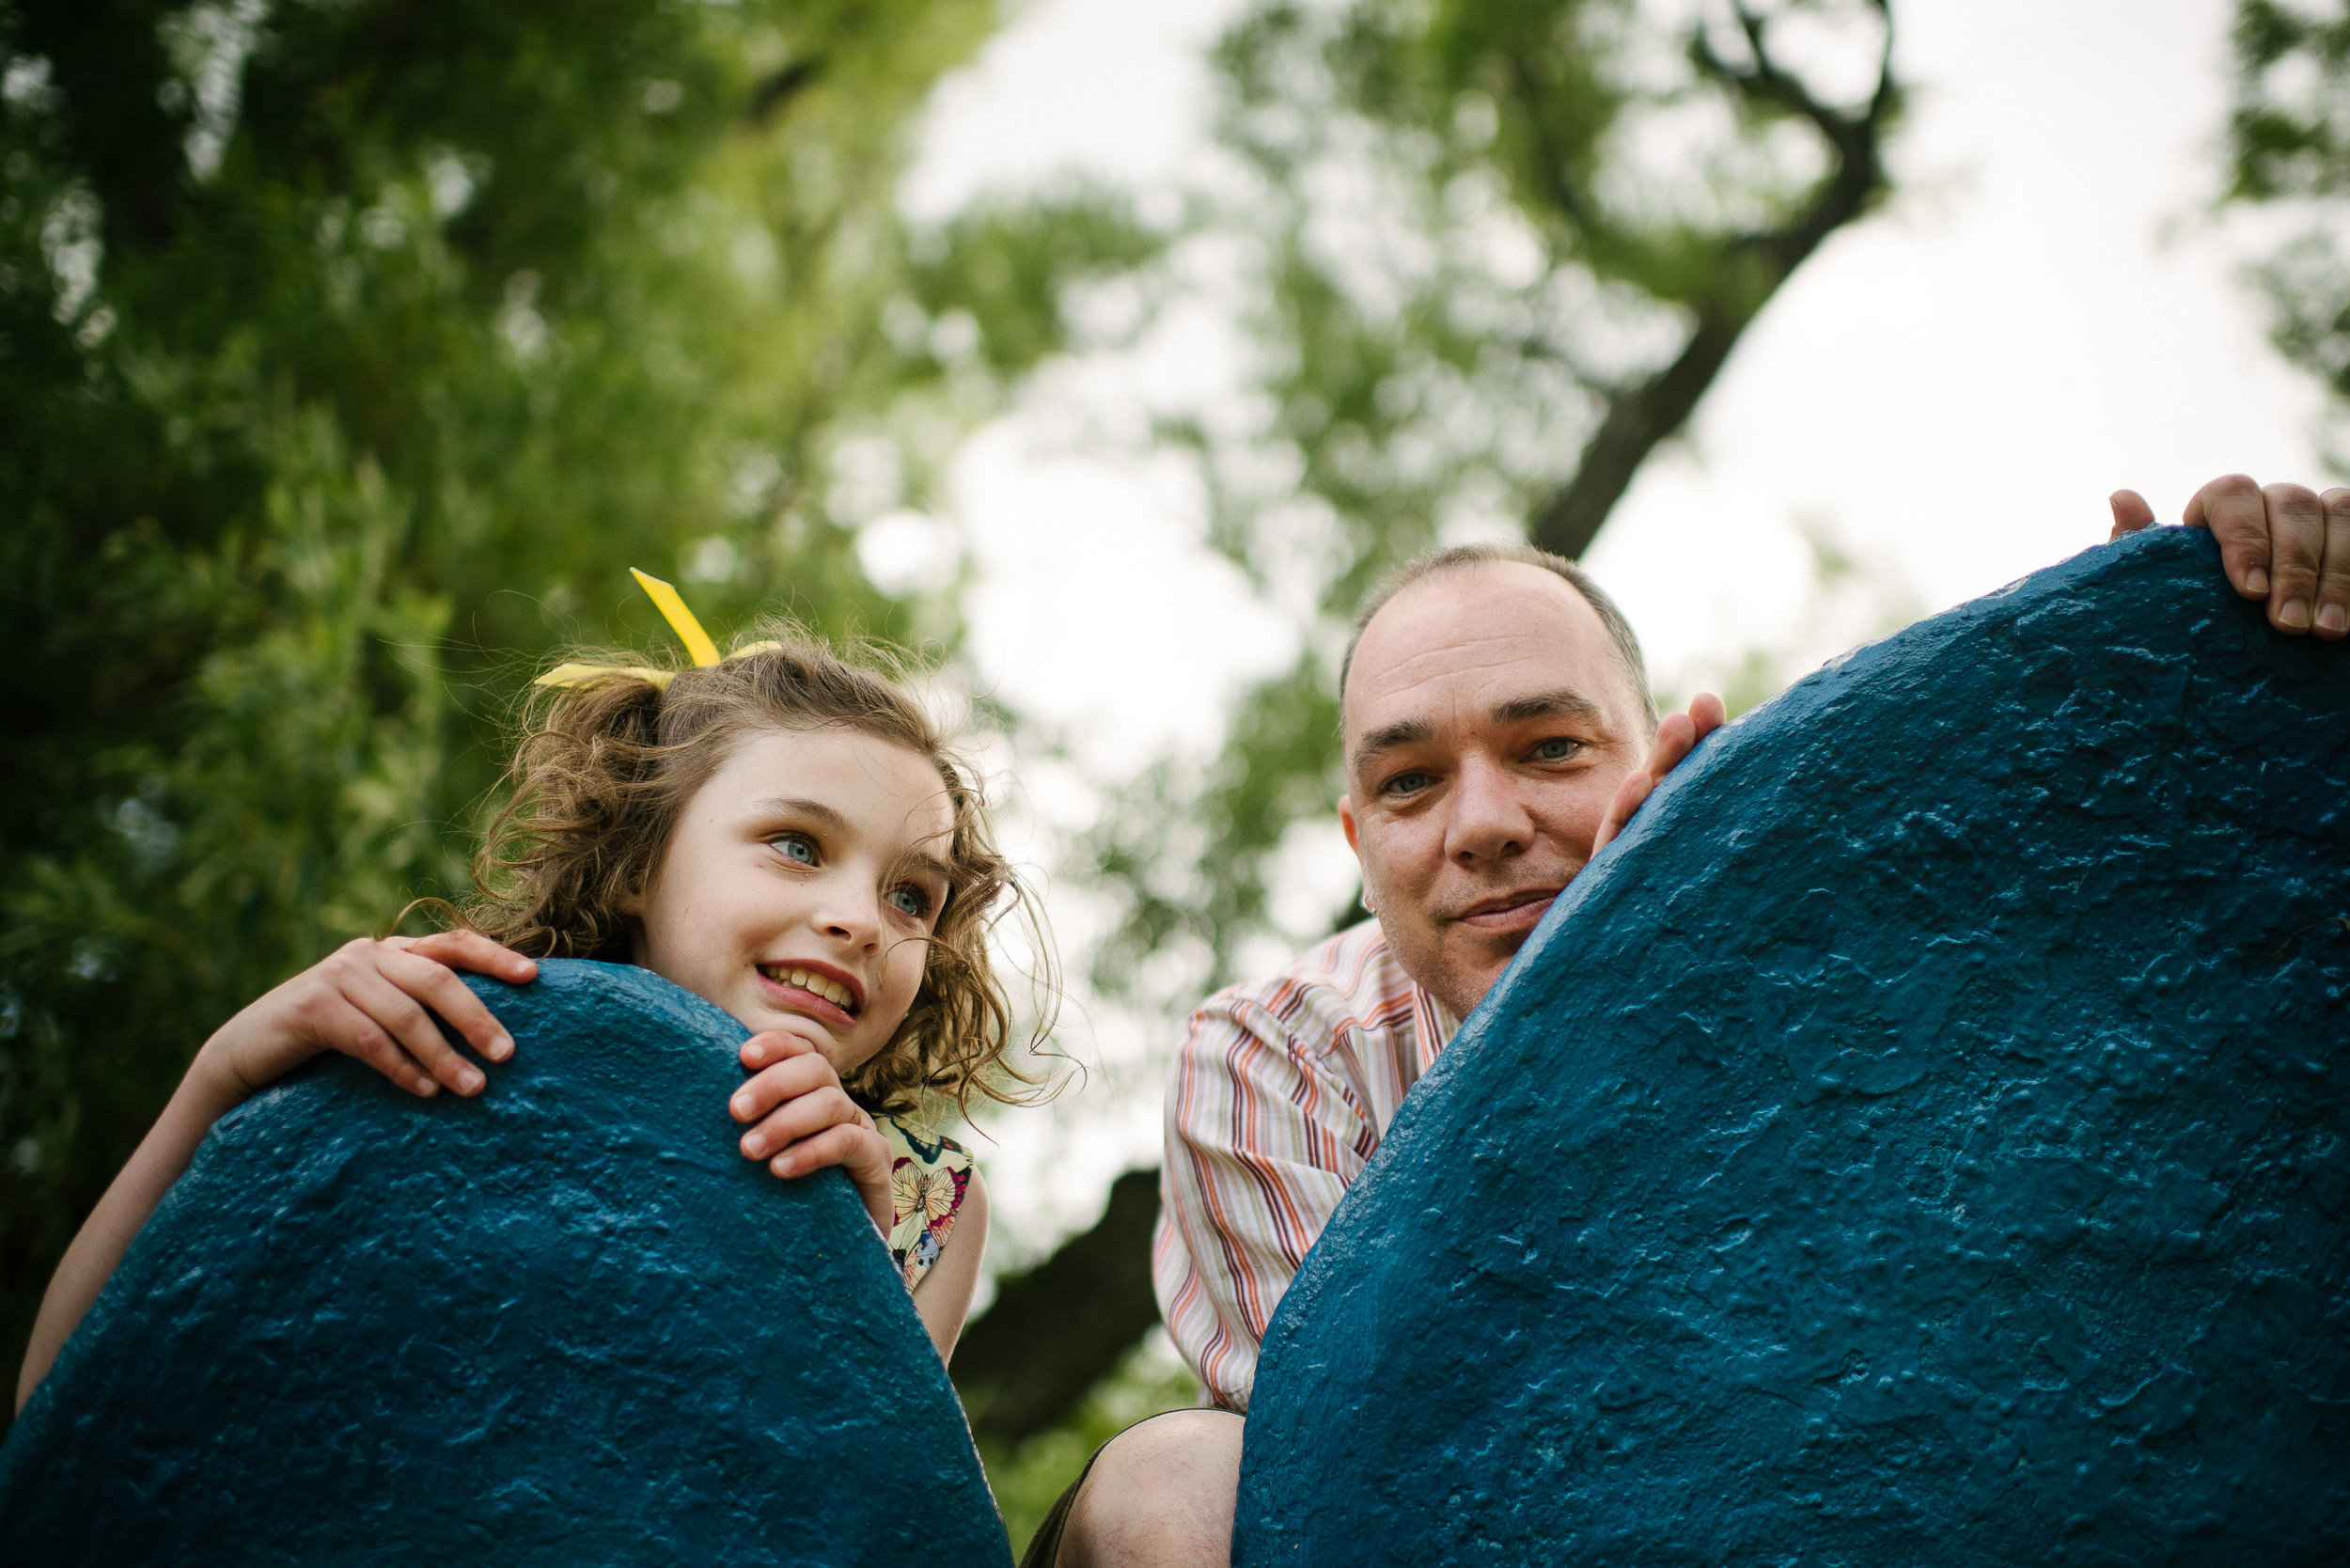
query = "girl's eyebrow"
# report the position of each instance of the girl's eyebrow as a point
(799, 806)
(921, 861)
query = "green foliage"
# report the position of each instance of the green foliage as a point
(350, 354)
(1500, 250)
(2290, 145)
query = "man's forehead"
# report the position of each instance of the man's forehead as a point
(1482, 635)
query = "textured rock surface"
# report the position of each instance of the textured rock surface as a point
(1922, 1141)
(564, 1323)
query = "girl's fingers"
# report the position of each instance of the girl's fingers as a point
(436, 987)
(840, 1145)
(471, 951)
(773, 1046)
(803, 1117)
(771, 1087)
(403, 1017)
(361, 1038)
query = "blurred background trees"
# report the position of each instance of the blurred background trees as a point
(2289, 146)
(350, 353)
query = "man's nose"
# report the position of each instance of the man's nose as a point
(1488, 820)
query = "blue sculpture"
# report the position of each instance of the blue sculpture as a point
(564, 1323)
(1922, 1141)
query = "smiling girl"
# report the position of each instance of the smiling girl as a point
(781, 832)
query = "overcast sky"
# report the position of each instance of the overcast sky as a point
(2045, 314)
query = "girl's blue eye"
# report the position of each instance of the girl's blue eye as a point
(792, 847)
(910, 901)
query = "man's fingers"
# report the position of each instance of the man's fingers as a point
(404, 1018)
(436, 985)
(2130, 513)
(1629, 795)
(2296, 547)
(471, 951)
(2333, 578)
(2232, 508)
(1675, 734)
(1707, 713)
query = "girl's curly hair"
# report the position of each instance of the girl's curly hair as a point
(601, 772)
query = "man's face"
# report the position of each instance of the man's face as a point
(1488, 721)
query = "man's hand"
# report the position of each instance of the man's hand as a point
(2281, 543)
(1675, 738)
(369, 1000)
(805, 1121)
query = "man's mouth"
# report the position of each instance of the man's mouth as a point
(815, 984)
(1509, 911)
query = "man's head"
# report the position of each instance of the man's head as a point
(1492, 702)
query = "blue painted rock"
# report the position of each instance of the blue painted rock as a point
(563, 1323)
(1921, 1141)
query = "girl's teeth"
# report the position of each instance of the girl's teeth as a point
(832, 990)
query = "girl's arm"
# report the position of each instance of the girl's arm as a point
(367, 1000)
(943, 1297)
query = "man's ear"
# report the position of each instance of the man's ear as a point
(1346, 821)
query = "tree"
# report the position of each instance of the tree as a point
(349, 354)
(2289, 144)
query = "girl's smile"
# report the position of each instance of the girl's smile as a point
(801, 886)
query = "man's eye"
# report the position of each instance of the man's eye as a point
(1406, 784)
(1557, 749)
(794, 848)
(910, 901)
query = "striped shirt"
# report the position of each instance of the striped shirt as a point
(1279, 1096)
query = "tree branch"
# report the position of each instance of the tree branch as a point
(1061, 1327)
(1647, 412)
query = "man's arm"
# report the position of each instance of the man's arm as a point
(1260, 1146)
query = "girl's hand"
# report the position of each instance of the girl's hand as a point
(803, 1120)
(368, 999)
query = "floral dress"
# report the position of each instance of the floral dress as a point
(927, 1181)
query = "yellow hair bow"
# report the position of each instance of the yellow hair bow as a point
(689, 632)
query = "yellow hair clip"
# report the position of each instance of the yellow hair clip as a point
(689, 631)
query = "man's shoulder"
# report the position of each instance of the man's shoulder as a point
(1352, 982)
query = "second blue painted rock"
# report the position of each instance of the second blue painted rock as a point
(1925, 1140)
(562, 1323)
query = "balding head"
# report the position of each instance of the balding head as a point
(1489, 715)
(1460, 557)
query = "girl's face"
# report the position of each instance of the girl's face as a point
(801, 886)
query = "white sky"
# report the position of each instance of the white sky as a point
(1954, 387)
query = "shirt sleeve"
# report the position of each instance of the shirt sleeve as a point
(1261, 1143)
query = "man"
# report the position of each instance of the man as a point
(1497, 733)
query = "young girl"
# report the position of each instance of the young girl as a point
(782, 833)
